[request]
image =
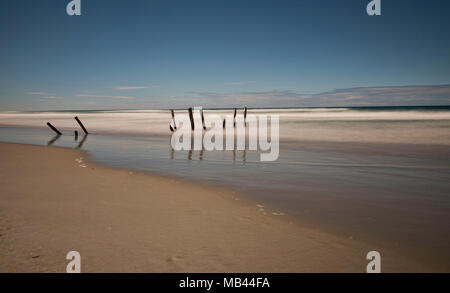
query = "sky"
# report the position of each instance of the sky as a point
(159, 54)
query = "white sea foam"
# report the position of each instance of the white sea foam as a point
(319, 124)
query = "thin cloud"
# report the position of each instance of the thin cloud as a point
(51, 98)
(368, 96)
(44, 95)
(37, 93)
(386, 96)
(105, 97)
(131, 88)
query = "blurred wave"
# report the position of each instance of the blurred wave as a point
(416, 125)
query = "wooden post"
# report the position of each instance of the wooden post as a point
(53, 128)
(82, 126)
(76, 135)
(203, 119)
(191, 117)
(234, 117)
(173, 119)
(245, 115)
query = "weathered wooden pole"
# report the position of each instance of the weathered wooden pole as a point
(234, 117)
(245, 115)
(82, 126)
(173, 119)
(53, 128)
(191, 117)
(203, 119)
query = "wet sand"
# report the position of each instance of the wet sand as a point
(54, 200)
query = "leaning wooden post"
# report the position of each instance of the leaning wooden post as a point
(191, 117)
(203, 119)
(173, 119)
(82, 126)
(53, 128)
(234, 117)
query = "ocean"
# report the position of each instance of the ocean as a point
(375, 174)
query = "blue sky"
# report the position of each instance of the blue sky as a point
(160, 54)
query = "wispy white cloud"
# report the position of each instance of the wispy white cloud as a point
(363, 96)
(386, 96)
(253, 99)
(37, 93)
(44, 96)
(105, 96)
(347, 97)
(130, 88)
(51, 98)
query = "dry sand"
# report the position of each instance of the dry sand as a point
(54, 200)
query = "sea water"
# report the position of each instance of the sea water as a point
(381, 175)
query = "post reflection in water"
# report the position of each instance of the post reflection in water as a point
(201, 153)
(58, 136)
(80, 145)
(55, 138)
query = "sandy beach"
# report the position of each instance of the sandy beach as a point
(54, 200)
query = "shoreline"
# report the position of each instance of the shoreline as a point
(56, 200)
